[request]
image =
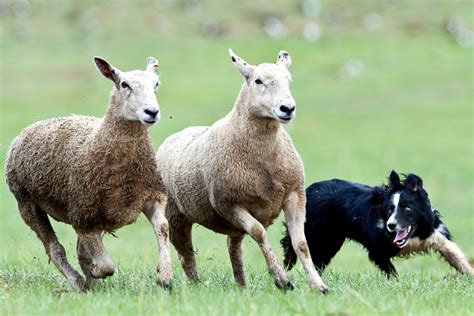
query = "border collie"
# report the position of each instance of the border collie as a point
(393, 220)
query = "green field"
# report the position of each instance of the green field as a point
(410, 109)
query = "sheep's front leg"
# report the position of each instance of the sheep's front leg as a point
(234, 245)
(90, 248)
(241, 218)
(86, 262)
(155, 212)
(294, 209)
(451, 252)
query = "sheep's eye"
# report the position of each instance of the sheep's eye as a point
(125, 85)
(156, 85)
(258, 81)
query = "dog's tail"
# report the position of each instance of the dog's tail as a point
(288, 251)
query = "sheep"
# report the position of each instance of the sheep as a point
(235, 176)
(96, 175)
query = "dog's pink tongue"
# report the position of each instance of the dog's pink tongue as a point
(401, 234)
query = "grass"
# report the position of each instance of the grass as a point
(133, 292)
(411, 110)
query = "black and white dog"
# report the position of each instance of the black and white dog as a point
(393, 220)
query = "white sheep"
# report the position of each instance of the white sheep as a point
(235, 176)
(96, 175)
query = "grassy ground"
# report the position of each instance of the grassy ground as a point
(410, 109)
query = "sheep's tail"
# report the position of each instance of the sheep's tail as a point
(288, 251)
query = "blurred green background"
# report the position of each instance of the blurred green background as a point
(379, 85)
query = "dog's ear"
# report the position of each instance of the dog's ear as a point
(414, 182)
(393, 180)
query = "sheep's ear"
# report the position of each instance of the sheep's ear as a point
(393, 179)
(284, 59)
(107, 69)
(152, 64)
(241, 65)
(414, 182)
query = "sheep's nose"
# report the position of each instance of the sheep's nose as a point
(287, 109)
(152, 112)
(391, 226)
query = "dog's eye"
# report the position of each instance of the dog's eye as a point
(125, 85)
(258, 81)
(408, 209)
(391, 207)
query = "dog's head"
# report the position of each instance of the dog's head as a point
(409, 213)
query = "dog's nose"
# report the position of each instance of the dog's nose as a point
(287, 109)
(152, 112)
(391, 226)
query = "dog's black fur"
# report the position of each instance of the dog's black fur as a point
(337, 210)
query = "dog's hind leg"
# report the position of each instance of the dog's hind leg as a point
(288, 251)
(384, 264)
(323, 252)
(451, 252)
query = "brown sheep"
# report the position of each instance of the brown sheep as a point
(235, 176)
(96, 175)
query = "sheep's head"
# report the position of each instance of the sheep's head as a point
(137, 89)
(268, 87)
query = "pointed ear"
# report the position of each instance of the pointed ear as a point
(414, 182)
(107, 70)
(393, 179)
(152, 64)
(284, 59)
(241, 65)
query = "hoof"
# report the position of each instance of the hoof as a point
(102, 273)
(90, 282)
(324, 290)
(285, 286)
(78, 284)
(289, 286)
(167, 286)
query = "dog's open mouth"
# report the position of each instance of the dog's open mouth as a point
(403, 236)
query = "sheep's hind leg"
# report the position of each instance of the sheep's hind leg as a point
(234, 245)
(102, 265)
(181, 238)
(294, 209)
(155, 212)
(242, 219)
(39, 222)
